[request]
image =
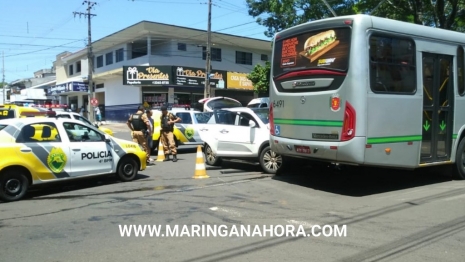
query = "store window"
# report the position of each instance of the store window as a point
(154, 100)
(182, 99)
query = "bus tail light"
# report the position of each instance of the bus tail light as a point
(271, 120)
(348, 127)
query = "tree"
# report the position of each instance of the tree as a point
(2, 84)
(277, 15)
(260, 77)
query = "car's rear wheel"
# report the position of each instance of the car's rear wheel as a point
(270, 161)
(127, 169)
(210, 158)
(13, 185)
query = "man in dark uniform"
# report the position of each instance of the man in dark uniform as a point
(167, 121)
(140, 125)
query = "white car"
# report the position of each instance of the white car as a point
(240, 134)
(261, 102)
(74, 115)
(215, 103)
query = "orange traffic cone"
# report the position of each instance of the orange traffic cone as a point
(200, 170)
(161, 154)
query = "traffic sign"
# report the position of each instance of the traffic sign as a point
(94, 102)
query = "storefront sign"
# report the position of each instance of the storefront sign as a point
(56, 90)
(67, 88)
(146, 75)
(239, 81)
(188, 76)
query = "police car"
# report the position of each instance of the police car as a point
(64, 114)
(44, 150)
(185, 132)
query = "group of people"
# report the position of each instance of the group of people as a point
(141, 124)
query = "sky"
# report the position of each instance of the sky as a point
(33, 32)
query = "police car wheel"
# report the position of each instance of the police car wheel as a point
(13, 185)
(211, 159)
(270, 161)
(127, 169)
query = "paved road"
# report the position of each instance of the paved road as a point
(390, 216)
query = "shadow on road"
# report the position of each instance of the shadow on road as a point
(84, 183)
(362, 181)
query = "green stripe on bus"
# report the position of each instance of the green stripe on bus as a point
(454, 136)
(392, 139)
(300, 122)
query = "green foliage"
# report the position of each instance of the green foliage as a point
(277, 15)
(260, 77)
(3, 84)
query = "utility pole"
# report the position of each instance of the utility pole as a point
(90, 57)
(3, 78)
(206, 93)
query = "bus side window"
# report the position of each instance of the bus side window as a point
(392, 65)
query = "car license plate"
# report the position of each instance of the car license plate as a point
(302, 149)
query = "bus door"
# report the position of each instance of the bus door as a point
(438, 112)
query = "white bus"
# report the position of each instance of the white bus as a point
(364, 90)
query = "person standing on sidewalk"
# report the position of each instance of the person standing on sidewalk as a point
(98, 115)
(167, 121)
(140, 127)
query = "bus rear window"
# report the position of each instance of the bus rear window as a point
(7, 114)
(327, 48)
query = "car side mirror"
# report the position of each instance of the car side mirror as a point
(252, 123)
(107, 138)
(96, 125)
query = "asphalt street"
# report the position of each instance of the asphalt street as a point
(389, 215)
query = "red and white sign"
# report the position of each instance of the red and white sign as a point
(94, 102)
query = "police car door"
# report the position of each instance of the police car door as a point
(44, 150)
(186, 128)
(90, 154)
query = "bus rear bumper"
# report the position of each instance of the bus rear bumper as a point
(350, 152)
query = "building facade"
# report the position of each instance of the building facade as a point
(151, 63)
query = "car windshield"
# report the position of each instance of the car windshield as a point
(2, 126)
(263, 114)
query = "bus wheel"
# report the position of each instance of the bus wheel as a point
(460, 160)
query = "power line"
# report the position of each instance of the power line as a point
(38, 37)
(35, 45)
(42, 49)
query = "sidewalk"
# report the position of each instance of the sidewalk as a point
(116, 127)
